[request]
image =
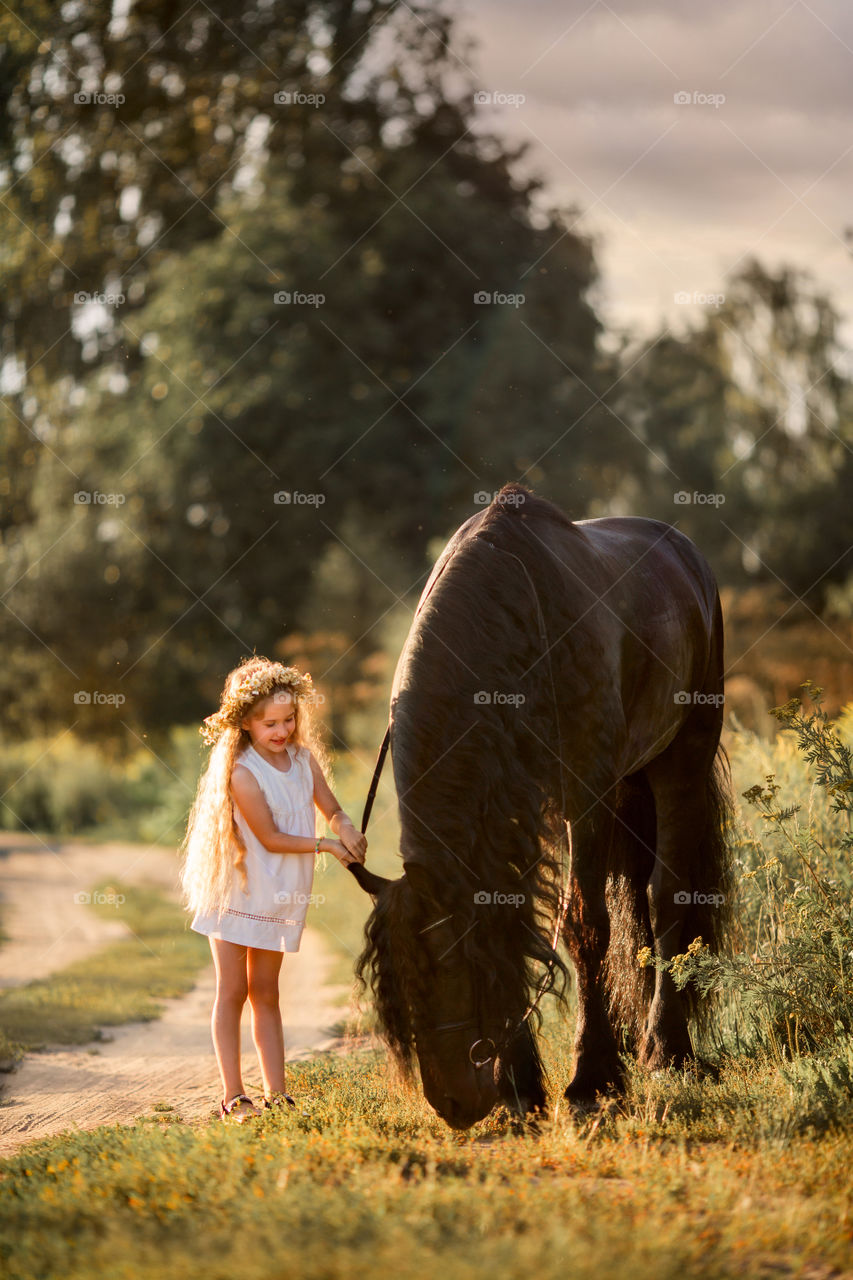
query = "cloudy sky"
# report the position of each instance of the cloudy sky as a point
(757, 161)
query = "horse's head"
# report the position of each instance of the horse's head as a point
(431, 1001)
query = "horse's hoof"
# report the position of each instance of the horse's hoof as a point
(589, 1114)
(588, 1102)
(583, 1090)
(656, 1055)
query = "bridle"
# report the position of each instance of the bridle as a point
(510, 1032)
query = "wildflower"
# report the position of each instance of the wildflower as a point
(644, 957)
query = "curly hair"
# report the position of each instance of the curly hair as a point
(477, 808)
(213, 847)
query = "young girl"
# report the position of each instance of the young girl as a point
(249, 865)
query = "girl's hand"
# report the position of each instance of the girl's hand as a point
(330, 845)
(355, 842)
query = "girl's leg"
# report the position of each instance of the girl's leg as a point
(267, 1031)
(232, 987)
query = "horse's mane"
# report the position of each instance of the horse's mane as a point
(488, 821)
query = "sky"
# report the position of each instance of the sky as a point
(755, 158)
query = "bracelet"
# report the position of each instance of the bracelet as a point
(317, 845)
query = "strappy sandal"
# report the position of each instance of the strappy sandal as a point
(234, 1109)
(279, 1100)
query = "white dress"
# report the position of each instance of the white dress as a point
(272, 915)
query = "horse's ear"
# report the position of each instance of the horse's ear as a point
(369, 881)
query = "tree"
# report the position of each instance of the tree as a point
(390, 405)
(751, 409)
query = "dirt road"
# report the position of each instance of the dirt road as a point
(168, 1061)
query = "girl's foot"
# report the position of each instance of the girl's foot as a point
(239, 1109)
(279, 1100)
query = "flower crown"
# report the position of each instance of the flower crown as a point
(253, 686)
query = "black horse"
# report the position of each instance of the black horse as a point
(560, 692)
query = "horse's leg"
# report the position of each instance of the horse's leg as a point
(521, 1085)
(587, 936)
(678, 782)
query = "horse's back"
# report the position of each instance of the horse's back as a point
(657, 555)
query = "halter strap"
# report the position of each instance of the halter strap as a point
(371, 795)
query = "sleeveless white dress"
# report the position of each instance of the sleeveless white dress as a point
(272, 915)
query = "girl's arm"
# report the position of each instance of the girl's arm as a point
(341, 824)
(252, 803)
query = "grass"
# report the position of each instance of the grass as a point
(706, 1179)
(123, 982)
(741, 1173)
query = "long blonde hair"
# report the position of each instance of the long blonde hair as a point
(213, 847)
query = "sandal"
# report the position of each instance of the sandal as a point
(279, 1100)
(237, 1110)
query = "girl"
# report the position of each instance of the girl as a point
(249, 865)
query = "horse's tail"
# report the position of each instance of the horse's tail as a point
(709, 868)
(709, 916)
(707, 871)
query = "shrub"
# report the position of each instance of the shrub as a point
(788, 984)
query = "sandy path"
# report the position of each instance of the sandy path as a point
(169, 1060)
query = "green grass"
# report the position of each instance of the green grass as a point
(122, 982)
(685, 1178)
(740, 1173)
